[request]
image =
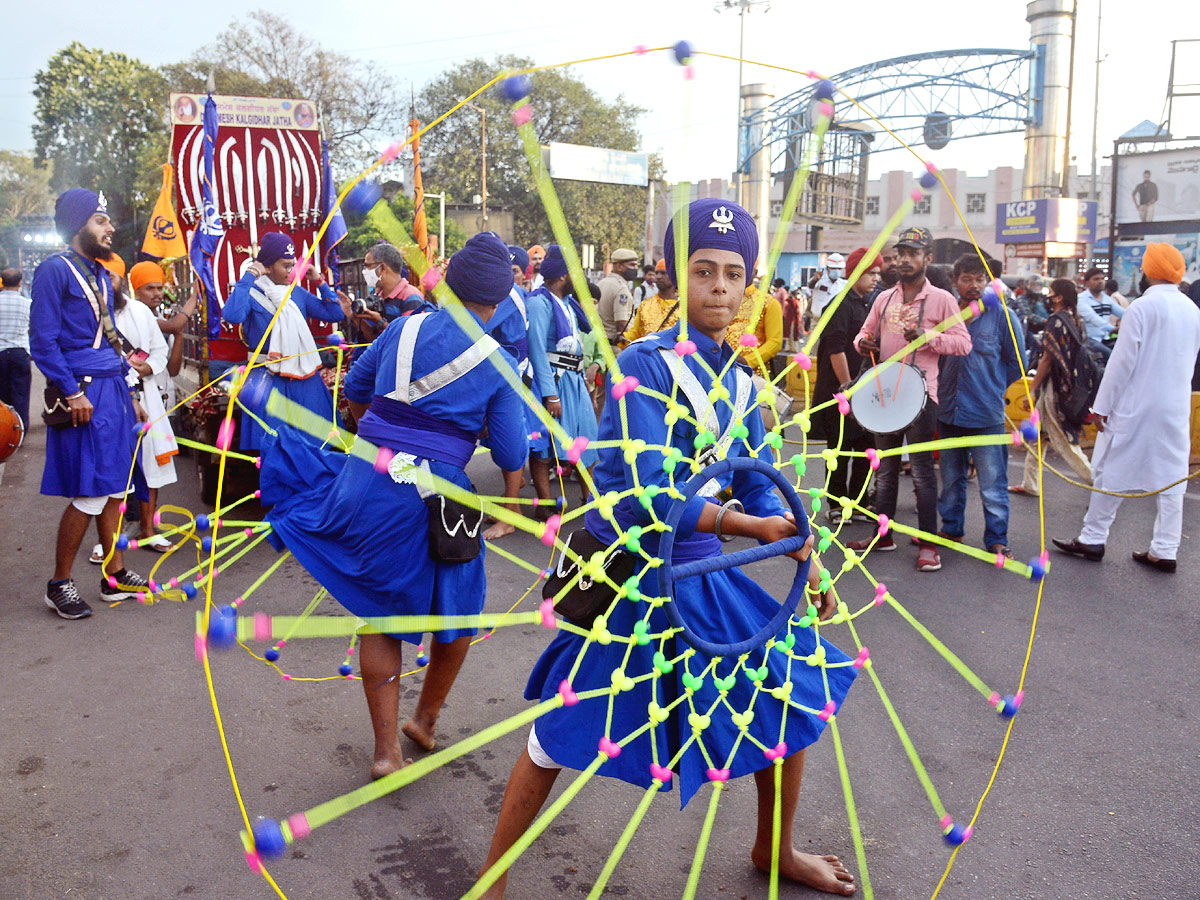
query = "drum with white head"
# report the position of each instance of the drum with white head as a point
(886, 399)
(12, 432)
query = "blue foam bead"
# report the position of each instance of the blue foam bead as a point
(334, 340)
(256, 391)
(928, 181)
(344, 669)
(206, 543)
(422, 659)
(954, 836)
(683, 52)
(1036, 570)
(560, 503)
(202, 522)
(1008, 707)
(122, 542)
(271, 655)
(825, 89)
(991, 299)
(363, 197)
(222, 628)
(516, 87)
(268, 839)
(1029, 431)
(189, 591)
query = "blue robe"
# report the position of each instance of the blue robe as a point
(721, 606)
(310, 392)
(363, 536)
(92, 460)
(553, 326)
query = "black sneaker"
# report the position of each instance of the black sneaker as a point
(63, 597)
(128, 585)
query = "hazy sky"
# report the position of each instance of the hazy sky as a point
(800, 34)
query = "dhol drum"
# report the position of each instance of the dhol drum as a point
(888, 397)
(12, 432)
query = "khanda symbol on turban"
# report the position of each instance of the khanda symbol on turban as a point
(722, 220)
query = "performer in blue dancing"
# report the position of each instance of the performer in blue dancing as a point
(293, 359)
(556, 321)
(721, 606)
(365, 535)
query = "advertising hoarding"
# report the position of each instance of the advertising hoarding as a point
(1058, 220)
(1163, 186)
(575, 162)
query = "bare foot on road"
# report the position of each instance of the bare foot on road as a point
(825, 873)
(497, 530)
(387, 763)
(419, 733)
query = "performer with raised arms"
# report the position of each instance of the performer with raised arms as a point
(719, 606)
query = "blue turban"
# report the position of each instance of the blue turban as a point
(518, 257)
(714, 225)
(274, 246)
(73, 208)
(553, 266)
(481, 272)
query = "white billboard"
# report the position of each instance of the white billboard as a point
(1159, 187)
(575, 162)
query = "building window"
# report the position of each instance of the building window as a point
(976, 203)
(776, 209)
(873, 206)
(924, 206)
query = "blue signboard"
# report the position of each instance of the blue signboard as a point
(1040, 221)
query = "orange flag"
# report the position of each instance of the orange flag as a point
(420, 225)
(163, 237)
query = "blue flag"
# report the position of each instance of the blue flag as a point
(209, 231)
(336, 230)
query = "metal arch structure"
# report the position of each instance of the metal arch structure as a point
(978, 91)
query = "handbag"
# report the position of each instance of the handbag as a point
(56, 412)
(453, 530)
(587, 599)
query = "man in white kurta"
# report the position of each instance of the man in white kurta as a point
(1143, 408)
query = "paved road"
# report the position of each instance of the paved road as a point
(114, 784)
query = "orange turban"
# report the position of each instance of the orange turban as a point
(114, 264)
(537, 248)
(661, 265)
(144, 273)
(1162, 262)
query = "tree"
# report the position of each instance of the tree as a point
(101, 121)
(564, 109)
(264, 55)
(362, 234)
(24, 194)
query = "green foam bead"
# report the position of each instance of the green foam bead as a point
(632, 591)
(811, 611)
(663, 664)
(805, 621)
(824, 544)
(641, 634)
(815, 493)
(691, 682)
(703, 439)
(739, 431)
(816, 506)
(775, 440)
(725, 684)
(823, 532)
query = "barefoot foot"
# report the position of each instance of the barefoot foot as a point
(825, 873)
(497, 530)
(420, 733)
(387, 763)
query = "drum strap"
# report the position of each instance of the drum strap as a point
(706, 414)
(883, 312)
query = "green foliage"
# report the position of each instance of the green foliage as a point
(24, 192)
(101, 121)
(564, 109)
(362, 234)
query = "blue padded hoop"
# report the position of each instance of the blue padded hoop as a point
(668, 573)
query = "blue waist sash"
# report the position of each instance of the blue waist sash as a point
(398, 426)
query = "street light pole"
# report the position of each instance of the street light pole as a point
(483, 150)
(1096, 108)
(743, 7)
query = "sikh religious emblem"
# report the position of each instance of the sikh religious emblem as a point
(103, 204)
(722, 220)
(164, 228)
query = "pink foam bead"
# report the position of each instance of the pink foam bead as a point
(174, 582)
(608, 748)
(225, 435)
(257, 495)
(1019, 696)
(916, 195)
(254, 861)
(1035, 417)
(431, 278)
(257, 464)
(685, 348)
(974, 307)
(931, 168)
(122, 506)
(298, 824)
(661, 774)
(1000, 558)
(153, 585)
(550, 530)
(998, 287)
(812, 73)
(721, 775)
(287, 677)
(779, 751)
(558, 470)
(641, 49)
(158, 518)
(626, 385)
(947, 821)
(201, 644)
(247, 531)
(350, 652)
(1044, 558)
(547, 611)
(133, 544)
(994, 700)
(145, 427)
(580, 443)
(825, 714)
(522, 116)
(112, 582)
(880, 589)
(843, 404)
(564, 690)
(300, 269)
(1016, 438)
(141, 596)
(279, 645)
(825, 108)
(802, 360)
(262, 627)
(872, 458)
(884, 524)
(689, 73)
(967, 832)
(391, 152)
(748, 340)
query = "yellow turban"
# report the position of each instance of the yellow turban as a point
(1162, 262)
(145, 272)
(114, 264)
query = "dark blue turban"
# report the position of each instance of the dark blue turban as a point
(518, 257)
(73, 208)
(714, 225)
(481, 272)
(553, 266)
(275, 246)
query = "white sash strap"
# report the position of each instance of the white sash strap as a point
(407, 390)
(92, 299)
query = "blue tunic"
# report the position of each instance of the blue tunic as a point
(721, 606)
(92, 460)
(310, 392)
(551, 327)
(363, 536)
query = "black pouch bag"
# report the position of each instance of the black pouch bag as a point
(453, 529)
(587, 599)
(55, 411)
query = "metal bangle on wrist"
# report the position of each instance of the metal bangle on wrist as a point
(725, 507)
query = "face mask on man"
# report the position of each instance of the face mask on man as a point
(371, 277)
